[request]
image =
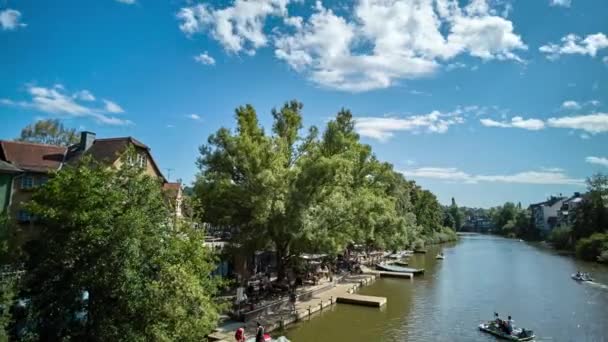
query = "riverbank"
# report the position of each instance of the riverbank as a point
(311, 300)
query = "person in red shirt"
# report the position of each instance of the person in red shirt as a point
(239, 336)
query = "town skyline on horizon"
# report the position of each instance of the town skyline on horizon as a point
(498, 101)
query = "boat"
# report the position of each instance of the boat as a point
(440, 256)
(393, 268)
(419, 251)
(581, 277)
(518, 334)
(401, 263)
(267, 338)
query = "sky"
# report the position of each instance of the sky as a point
(485, 101)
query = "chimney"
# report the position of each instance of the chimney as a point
(86, 140)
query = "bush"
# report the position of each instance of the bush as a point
(419, 244)
(561, 237)
(592, 248)
(603, 257)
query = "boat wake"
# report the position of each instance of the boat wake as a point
(597, 285)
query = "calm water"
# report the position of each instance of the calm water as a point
(480, 275)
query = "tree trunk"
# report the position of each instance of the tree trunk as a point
(282, 250)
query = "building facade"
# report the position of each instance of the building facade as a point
(545, 214)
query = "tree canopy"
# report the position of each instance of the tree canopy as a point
(294, 190)
(109, 265)
(49, 131)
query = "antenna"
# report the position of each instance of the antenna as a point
(169, 173)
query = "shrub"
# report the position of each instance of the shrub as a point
(561, 237)
(592, 247)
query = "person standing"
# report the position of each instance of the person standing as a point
(259, 334)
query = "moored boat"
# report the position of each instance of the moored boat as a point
(393, 268)
(440, 256)
(517, 334)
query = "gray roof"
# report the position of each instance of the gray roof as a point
(8, 168)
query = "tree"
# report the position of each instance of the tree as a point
(7, 281)
(592, 213)
(293, 193)
(456, 215)
(50, 131)
(110, 266)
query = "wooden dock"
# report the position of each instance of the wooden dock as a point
(361, 300)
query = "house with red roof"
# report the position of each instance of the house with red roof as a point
(24, 166)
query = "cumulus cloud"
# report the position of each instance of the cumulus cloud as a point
(573, 44)
(56, 100)
(194, 117)
(384, 128)
(376, 45)
(553, 177)
(571, 105)
(128, 2)
(204, 59)
(516, 122)
(561, 3)
(238, 27)
(597, 161)
(10, 19)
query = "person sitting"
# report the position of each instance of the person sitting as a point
(509, 326)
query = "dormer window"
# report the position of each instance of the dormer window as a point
(141, 160)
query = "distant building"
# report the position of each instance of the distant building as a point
(545, 214)
(567, 212)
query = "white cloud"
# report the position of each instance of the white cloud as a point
(383, 128)
(238, 27)
(571, 105)
(10, 19)
(84, 95)
(597, 160)
(112, 107)
(194, 117)
(204, 59)
(405, 40)
(561, 3)
(553, 177)
(375, 45)
(573, 44)
(591, 123)
(516, 122)
(56, 100)
(128, 2)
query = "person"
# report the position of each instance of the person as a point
(239, 336)
(509, 325)
(259, 334)
(293, 298)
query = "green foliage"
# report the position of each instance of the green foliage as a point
(593, 247)
(456, 214)
(50, 131)
(561, 237)
(108, 233)
(7, 282)
(294, 192)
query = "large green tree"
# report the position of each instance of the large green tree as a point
(295, 192)
(109, 264)
(49, 131)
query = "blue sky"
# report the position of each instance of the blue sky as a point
(485, 101)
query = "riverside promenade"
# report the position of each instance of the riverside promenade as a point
(311, 300)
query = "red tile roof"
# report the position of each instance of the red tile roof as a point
(32, 157)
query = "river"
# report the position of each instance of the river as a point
(480, 275)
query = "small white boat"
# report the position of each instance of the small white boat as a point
(581, 277)
(440, 256)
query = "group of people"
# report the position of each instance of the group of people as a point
(583, 275)
(239, 336)
(505, 326)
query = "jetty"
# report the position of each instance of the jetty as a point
(361, 300)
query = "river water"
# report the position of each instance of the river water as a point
(480, 275)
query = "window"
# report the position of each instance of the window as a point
(141, 160)
(23, 216)
(42, 180)
(27, 182)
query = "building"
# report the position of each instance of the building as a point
(23, 166)
(567, 212)
(545, 214)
